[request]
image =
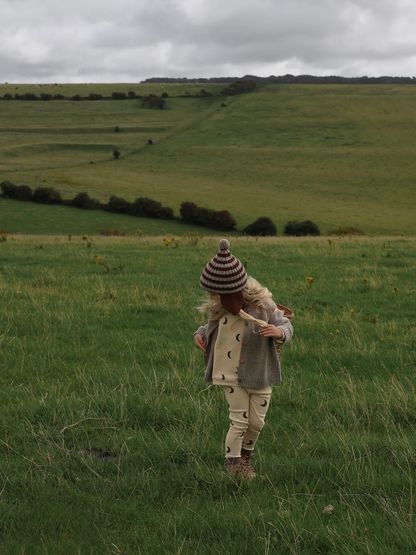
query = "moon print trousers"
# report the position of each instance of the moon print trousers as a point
(248, 408)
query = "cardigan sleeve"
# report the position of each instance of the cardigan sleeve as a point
(202, 330)
(278, 319)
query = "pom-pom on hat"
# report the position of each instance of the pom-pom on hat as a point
(224, 275)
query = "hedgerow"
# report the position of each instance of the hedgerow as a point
(142, 207)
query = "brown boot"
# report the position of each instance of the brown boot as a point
(233, 465)
(246, 468)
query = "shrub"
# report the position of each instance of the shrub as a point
(221, 220)
(153, 101)
(17, 192)
(346, 230)
(44, 96)
(119, 95)
(46, 195)
(94, 96)
(204, 215)
(119, 205)
(145, 207)
(301, 229)
(7, 96)
(76, 97)
(58, 97)
(150, 208)
(165, 213)
(29, 96)
(116, 154)
(24, 192)
(239, 87)
(262, 226)
(9, 189)
(132, 94)
(188, 211)
(82, 200)
(165, 95)
(159, 103)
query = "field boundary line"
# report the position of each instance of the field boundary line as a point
(129, 153)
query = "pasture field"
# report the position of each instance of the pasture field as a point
(333, 154)
(38, 219)
(110, 441)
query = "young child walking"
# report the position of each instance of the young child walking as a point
(239, 351)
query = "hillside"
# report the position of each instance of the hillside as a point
(336, 155)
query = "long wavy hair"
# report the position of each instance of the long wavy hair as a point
(253, 294)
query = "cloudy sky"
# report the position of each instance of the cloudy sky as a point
(109, 41)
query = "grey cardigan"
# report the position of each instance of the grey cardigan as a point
(259, 364)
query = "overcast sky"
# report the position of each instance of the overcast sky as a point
(115, 41)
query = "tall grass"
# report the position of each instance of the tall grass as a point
(110, 442)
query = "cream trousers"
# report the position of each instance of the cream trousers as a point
(248, 408)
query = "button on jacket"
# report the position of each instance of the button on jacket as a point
(259, 364)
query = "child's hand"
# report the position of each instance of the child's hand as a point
(200, 342)
(271, 331)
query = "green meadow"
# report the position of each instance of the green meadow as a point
(110, 441)
(39, 219)
(338, 155)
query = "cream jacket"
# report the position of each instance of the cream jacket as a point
(259, 364)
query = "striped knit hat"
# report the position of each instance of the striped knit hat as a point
(226, 276)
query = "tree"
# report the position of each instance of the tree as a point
(47, 195)
(153, 101)
(262, 226)
(117, 204)
(301, 229)
(239, 87)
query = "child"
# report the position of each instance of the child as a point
(239, 351)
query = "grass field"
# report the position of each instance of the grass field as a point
(333, 154)
(37, 219)
(110, 442)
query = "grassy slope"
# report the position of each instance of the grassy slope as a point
(334, 154)
(34, 219)
(77, 343)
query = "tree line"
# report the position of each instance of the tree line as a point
(151, 100)
(293, 79)
(144, 207)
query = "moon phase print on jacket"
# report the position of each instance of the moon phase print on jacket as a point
(227, 350)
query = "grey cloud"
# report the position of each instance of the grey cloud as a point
(103, 41)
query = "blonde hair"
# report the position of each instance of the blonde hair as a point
(253, 294)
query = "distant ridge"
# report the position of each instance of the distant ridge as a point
(292, 79)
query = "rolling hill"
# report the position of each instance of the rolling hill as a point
(335, 154)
